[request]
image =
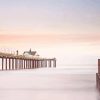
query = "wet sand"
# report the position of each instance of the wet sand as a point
(47, 84)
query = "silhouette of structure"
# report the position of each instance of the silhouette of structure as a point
(33, 53)
(16, 62)
(98, 76)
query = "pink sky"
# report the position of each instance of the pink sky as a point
(67, 48)
(52, 39)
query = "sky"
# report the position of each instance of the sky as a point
(66, 29)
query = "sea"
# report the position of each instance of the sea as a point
(61, 83)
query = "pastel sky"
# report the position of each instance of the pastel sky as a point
(66, 29)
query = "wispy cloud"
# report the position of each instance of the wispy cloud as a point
(51, 39)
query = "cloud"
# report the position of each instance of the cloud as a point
(51, 39)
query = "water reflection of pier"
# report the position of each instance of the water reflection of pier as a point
(16, 62)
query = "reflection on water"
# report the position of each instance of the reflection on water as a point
(47, 84)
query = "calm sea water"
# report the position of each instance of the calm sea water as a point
(49, 84)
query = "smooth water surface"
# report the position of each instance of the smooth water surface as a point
(47, 84)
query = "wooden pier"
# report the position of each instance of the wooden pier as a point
(19, 62)
(98, 76)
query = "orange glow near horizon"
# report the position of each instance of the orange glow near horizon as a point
(67, 49)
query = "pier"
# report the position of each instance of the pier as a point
(98, 76)
(19, 62)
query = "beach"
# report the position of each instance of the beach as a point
(47, 84)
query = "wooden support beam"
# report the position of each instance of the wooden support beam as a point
(54, 63)
(9, 64)
(12, 64)
(49, 63)
(41, 63)
(6, 63)
(28, 64)
(45, 63)
(38, 63)
(35, 63)
(2, 63)
(99, 66)
(16, 64)
(32, 64)
(20, 64)
(24, 63)
(97, 80)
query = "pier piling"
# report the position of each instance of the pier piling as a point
(15, 62)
